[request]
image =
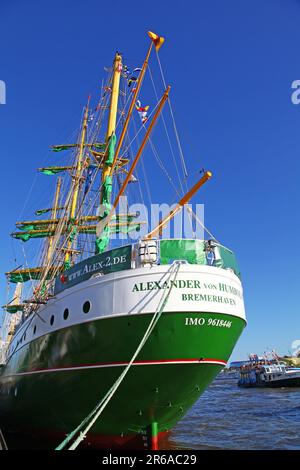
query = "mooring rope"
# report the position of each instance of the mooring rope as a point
(96, 412)
(3, 445)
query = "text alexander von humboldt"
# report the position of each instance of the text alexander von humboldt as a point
(215, 288)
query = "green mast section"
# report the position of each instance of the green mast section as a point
(102, 243)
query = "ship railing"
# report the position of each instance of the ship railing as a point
(146, 253)
(193, 251)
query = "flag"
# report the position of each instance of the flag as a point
(133, 179)
(131, 80)
(125, 71)
(142, 111)
(88, 180)
(131, 76)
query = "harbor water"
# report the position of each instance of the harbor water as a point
(229, 417)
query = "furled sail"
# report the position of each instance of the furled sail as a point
(53, 170)
(24, 275)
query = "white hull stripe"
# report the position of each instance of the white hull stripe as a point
(122, 364)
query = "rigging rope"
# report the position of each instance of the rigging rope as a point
(167, 134)
(202, 225)
(174, 123)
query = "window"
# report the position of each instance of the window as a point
(52, 320)
(34, 330)
(66, 313)
(86, 307)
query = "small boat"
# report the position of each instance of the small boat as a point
(269, 375)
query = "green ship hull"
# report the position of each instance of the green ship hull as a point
(52, 383)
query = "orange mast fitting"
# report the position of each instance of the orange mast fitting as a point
(157, 40)
(179, 206)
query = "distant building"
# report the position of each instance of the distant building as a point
(2, 92)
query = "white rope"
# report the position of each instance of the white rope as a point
(174, 123)
(167, 134)
(202, 225)
(160, 163)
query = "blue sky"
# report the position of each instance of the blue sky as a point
(231, 65)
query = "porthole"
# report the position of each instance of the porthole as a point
(86, 307)
(52, 320)
(66, 313)
(34, 330)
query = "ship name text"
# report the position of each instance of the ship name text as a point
(213, 292)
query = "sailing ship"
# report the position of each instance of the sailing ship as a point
(114, 341)
(267, 371)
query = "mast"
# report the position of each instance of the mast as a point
(113, 111)
(53, 216)
(133, 101)
(105, 198)
(157, 41)
(111, 156)
(77, 179)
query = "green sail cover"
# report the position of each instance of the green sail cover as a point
(28, 227)
(47, 171)
(108, 262)
(13, 308)
(25, 236)
(111, 150)
(102, 243)
(25, 276)
(106, 195)
(116, 229)
(18, 277)
(67, 264)
(60, 148)
(73, 233)
(44, 211)
(126, 228)
(227, 260)
(39, 225)
(124, 217)
(193, 251)
(53, 170)
(99, 146)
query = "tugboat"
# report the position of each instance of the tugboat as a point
(272, 375)
(113, 343)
